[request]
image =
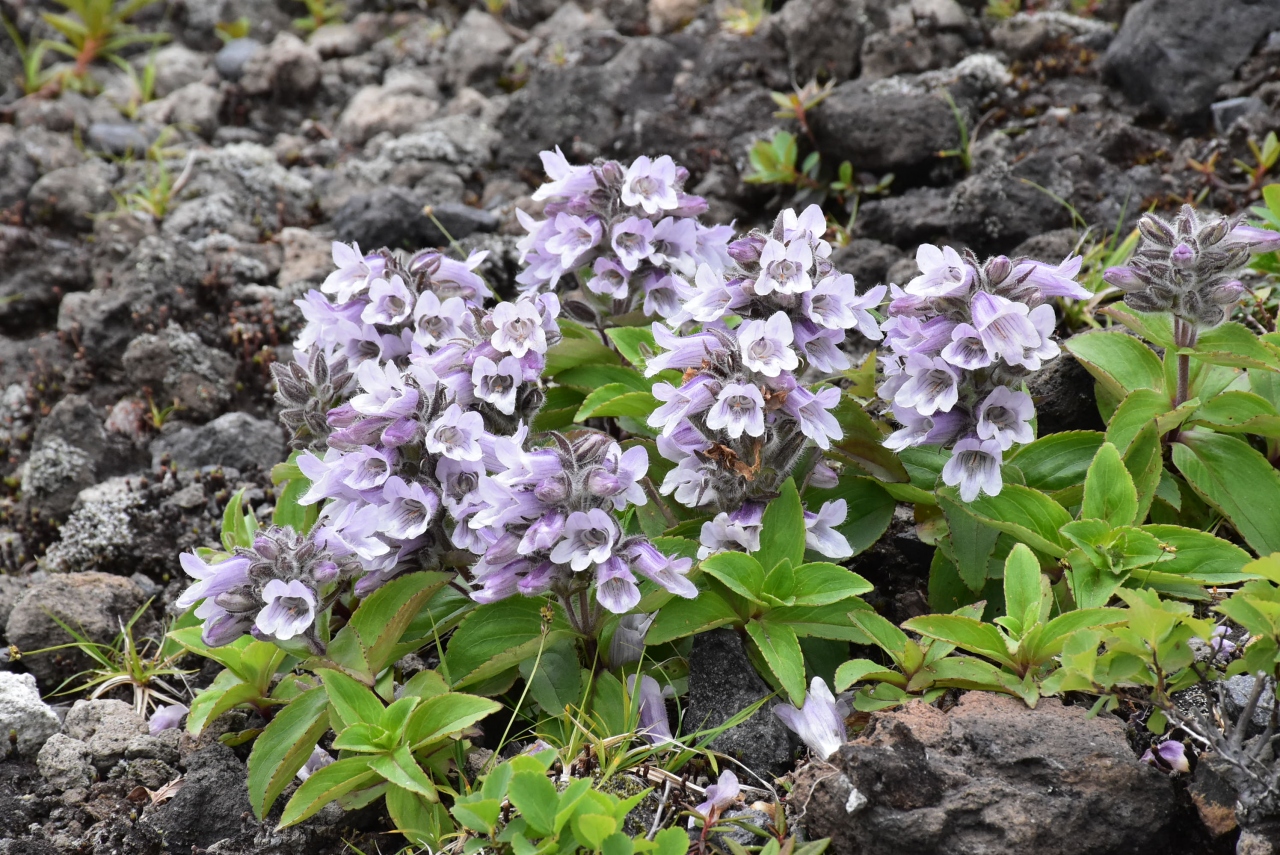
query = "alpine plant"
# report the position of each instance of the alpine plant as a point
(962, 339)
(628, 235)
(744, 412)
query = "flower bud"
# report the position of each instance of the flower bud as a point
(553, 490)
(1156, 230)
(603, 484)
(1227, 294)
(747, 250)
(1183, 256)
(823, 477)
(324, 572)
(611, 173)
(1124, 278)
(998, 269)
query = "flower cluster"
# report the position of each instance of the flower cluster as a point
(543, 521)
(630, 234)
(1189, 267)
(962, 337)
(273, 589)
(741, 417)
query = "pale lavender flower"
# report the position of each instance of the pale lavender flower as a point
(368, 468)
(719, 796)
(437, 321)
(932, 385)
(766, 345)
(456, 434)
(820, 530)
(318, 760)
(819, 722)
(1051, 280)
(616, 588)
(627, 644)
(937, 429)
(650, 184)
(1169, 756)
(632, 240)
(390, 302)
(734, 530)
(974, 467)
(967, 349)
(354, 272)
(410, 508)
(574, 237)
(1005, 416)
(166, 718)
(943, 273)
(1219, 645)
(669, 573)
(385, 392)
(785, 268)
(211, 579)
(497, 383)
(823, 477)
(1256, 239)
(655, 726)
(1005, 327)
(589, 538)
(675, 240)
(566, 179)
(739, 408)
(290, 609)
(518, 329)
(611, 279)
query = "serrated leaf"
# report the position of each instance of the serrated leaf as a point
(820, 583)
(284, 747)
(632, 342)
(353, 701)
(782, 530)
(616, 399)
(496, 637)
(1236, 480)
(1119, 362)
(680, 618)
(325, 785)
(780, 648)
(1109, 493)
(1027, 514)
(740, 573)
(572, 352)
(1021, 584)
(536, 799)
(1057, 461)
(966, 633)
(382, 617)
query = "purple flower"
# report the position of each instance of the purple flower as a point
(368, 468)
(739, 408)
(456, 434)
(719, 796)
(1256, 239)
(318, 760)
(650, 184)
(943, 273)
(810, 225)
(938, 429)
(646, 560)
(1005, 416)
(211, 579)
(385, 392)
(610, 280)
(820, 530)
(766, 345)
(632, 241)
(678, 404)
(437, 321)
(390, 302)
(409, 510)
(518, 329)
(932, 385)
(974, 467)
(542, 534)
(1169, 756)
(627, 644)
(566, 179)
(822, 347)
(1219, 645)
(823, 477)
(574, 237)
(966, 349)
(1004, 327)
(675, 239)
(655, 727)
(738, 529)
(290, 609)
(813, 413)
(616, 588)
(588, 539)
(784, 268)
(1053, 281)
(819, 722)
(496, 383)
(354, 271)
(664, 294)
(166, 718)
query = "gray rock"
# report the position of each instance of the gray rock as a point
(68, 198)
(920, 214)
(178, 366)
(177, 66)
(17, 166)
(195, 105)
(209, 807)
(289, 70)
(1023, 35)
(868, 260)
(94, 603)
(64, 762)
(1064, 395)
(1002, 206)
(823, 38)
(23, 713)
(54, 474)
(1238, 689)
(1225, 113)
(236, 439)
(1172, 55)
(40, 268)
(107, 728)
(394, 217)
(240, 190)
(163, 746)
(308, 258)
(401, 103)
(152, 774)
(231, 59)
(337, 40)
(476, 48)
(989, 776)
(883, 132)
(11, 587)
(120, 139)
(99, 535)
(722, 683)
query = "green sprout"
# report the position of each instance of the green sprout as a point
(319, 13)
(94, 30)
(744, 17)
(34, 77)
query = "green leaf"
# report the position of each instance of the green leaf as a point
(1239, 412)
(782, 530)
(680, 618)
(1022, 586)
(858, 670)
(383, 617)
(352, 701)
(1140, 407)
(591, 377)
(417, 818)
(572, 352)
(561, 406)
(479, 814)
(1109, 493)
(227, 691)
(1119, 362)
(820, 583)
(972, 542)
(284, 747)
(593, 828)
(634, 343)
(740, 573)
(496, 637)
(291, 512)
(1027, 514)
(1144, 461)
(1236, 480)
(557, 682)
(869, 508)
(964, 632)
(400, 769)
(616, 399)
(830, 621)
(1199, 555)
(1049, 640)
(536, 799)
(781, 651)
(1232, 344)
(882, 633)
(863, 443)
(1057, 461)
(325, 785)
(675, 841)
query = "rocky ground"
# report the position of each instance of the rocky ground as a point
(277, 143)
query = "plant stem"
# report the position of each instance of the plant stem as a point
(1184, 335)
